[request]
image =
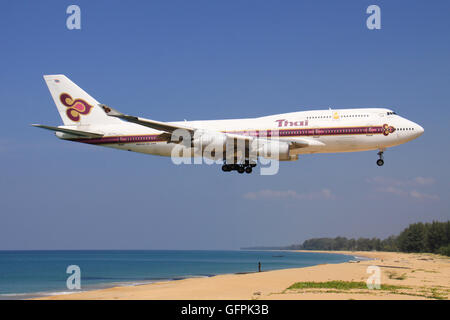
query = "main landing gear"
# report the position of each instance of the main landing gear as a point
(380, 161)
(246, 167)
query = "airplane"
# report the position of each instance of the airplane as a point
(236, 143)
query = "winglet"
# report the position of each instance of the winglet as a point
(110, 111)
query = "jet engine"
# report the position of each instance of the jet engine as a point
(273, 149)
(211, 141)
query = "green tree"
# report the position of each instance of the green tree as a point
(445, 250)
(389, 244)
(340, 243)
(436, 236)
(418, 237)
(413, 238)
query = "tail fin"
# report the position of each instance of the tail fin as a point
(75, 106)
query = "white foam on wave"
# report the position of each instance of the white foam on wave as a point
(31, 295)
(13, 294)
(57, 293)
(362, 258)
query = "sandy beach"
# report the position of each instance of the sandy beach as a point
(403, 276)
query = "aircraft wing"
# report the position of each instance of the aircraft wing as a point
(157, 125)
(161, 126)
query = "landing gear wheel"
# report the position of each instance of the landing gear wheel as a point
(380, 161)
(241, 167)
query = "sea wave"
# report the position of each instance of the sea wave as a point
(362, 258)
(31, 295)
(98, 286)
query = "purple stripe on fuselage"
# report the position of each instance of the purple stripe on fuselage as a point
(252, 133)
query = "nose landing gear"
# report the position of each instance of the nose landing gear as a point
(380, 161)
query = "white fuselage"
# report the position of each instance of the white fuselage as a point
(343, 130)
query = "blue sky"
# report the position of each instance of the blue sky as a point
(174, 60)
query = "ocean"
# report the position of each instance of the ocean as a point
(27, 274)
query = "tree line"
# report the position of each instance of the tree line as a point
(431, 237)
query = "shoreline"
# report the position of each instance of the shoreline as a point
(89, 288)
(406, 275)
(49, 293)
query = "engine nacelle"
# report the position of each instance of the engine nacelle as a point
(64, 136)
(211, 140)
(273, 149)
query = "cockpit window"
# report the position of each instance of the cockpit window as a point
(390, 113)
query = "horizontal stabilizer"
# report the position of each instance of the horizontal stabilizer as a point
(84, 134)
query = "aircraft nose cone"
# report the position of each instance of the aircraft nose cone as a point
(417, 130)
(420, 130)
